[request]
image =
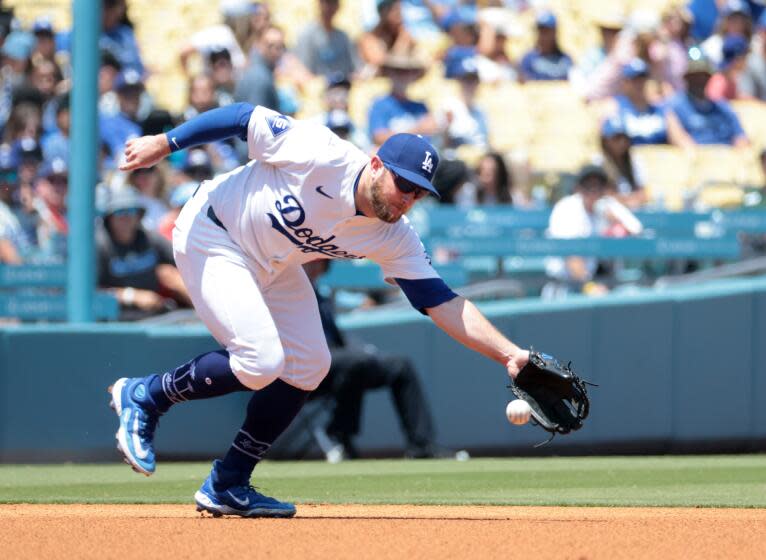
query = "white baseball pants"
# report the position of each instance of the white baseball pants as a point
(269, 333)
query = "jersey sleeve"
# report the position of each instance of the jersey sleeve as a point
(281, 140)
(406, 263)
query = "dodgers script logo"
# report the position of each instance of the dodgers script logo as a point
(278, 124)
(292, 217)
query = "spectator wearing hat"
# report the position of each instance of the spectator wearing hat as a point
(735, 18)
(643, 121)
(460, 23)
(108, 71)
(136, 265)
(752, 81)
(198, 166)
(723, 84)
(323, 48)
(546, 61)
(462, 121)
(45, 40)
(693, 118)
(396, 112)
(589, 212)
(388, 37)
(29, 157)
(50, 197)
(622, 171)
(117, 129)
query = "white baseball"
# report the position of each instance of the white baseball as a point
(518, 412)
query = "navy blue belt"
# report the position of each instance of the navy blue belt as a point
(214, 218)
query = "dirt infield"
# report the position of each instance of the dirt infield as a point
(400, 532)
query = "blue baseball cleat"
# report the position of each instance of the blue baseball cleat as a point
(242, 500)
(135, 436)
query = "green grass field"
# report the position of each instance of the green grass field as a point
(709, 481)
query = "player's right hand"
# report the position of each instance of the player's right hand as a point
(145, 151)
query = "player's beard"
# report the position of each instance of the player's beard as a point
(382, 210)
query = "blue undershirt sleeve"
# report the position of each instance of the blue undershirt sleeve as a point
(210, 126)
(426, 293)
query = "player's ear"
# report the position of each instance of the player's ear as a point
(377, 167)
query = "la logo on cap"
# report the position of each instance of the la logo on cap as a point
(428, 163)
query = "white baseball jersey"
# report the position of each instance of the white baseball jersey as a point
(295, 203)
(292, 204)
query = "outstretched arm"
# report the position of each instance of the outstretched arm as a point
(461, 319)
(210, 126)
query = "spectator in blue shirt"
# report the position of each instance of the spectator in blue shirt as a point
(694, 118)
(118, 129)
(462, 120)
(644, 122)
(395, 112)
(118, 38)
(56, 144)
(546, 61)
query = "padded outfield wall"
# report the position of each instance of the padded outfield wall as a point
(677, 370)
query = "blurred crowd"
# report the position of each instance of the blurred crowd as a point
(661, 78)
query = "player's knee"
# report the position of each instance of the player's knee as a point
(259, 368)
(324, 360)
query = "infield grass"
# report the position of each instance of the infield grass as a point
(709, 481)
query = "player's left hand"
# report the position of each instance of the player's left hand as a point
(516, 362)
(145, 151)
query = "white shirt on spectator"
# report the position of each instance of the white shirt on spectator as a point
(570, 220)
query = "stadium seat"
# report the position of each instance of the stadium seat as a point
(752, 116)
(666, 171)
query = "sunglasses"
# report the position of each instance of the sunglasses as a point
(407, 187)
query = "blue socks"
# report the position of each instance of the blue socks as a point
(269, 413)
(206, 376)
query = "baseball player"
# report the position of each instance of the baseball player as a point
(239, 244)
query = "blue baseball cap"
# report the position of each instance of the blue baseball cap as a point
(635, 68)
(55, 166)
(413, 158)
(733, 47)
(43, 25)
(546, 19)
(461, 15)
(736, 7)
(18, 45)
(127, 79)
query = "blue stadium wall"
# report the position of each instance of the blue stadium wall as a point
(678, 370)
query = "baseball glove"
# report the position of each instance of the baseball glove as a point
(557, 396)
